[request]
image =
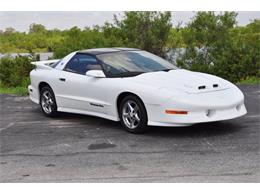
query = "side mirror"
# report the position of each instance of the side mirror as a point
(96, 73)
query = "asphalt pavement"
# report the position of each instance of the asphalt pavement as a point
(78, 148)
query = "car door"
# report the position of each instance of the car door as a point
(79, 92)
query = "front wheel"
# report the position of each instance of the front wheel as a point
(133, 114)
(48, 102)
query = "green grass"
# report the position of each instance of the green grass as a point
(22, 91)
(250, 80)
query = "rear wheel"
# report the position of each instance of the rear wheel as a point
(48, 102)
(133, 114)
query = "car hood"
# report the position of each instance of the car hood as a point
(183, 80)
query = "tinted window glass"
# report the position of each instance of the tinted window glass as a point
(133, 62)
(81, 63)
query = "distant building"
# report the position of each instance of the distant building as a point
(38, 56)
(45, 56)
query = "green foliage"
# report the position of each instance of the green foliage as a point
(37, 28)
(37, 39)
(145, 30)
(15, 71)
(216, 46)
(77, 39)
(176, 38)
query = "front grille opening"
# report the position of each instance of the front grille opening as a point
(202, 87)
(215, 85)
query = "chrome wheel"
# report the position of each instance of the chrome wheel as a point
(47, 102)
(131, 114)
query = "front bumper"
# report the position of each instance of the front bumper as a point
(201, 108)
(201, 116)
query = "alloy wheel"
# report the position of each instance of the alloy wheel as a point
(131, 114)
(47, 102)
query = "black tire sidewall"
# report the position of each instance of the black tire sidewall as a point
(54, 110)
(142, 127)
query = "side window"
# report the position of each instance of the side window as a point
(81, 63)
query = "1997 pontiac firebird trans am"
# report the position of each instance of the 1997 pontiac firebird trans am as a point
(134, 87)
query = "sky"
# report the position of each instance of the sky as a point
(65, 20)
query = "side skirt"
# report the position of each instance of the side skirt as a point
(70, 110)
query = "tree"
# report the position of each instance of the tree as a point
(113, 35)
(145, 30)
(209, 45)
(175, 38)
(9, 31)
(77, 39)
(36, 28)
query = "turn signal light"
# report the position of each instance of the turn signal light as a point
(176, 112)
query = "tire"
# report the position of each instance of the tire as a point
(133, 115)
(48, 102)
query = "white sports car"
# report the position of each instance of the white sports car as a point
(132, 86)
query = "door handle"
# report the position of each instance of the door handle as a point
(62, 79)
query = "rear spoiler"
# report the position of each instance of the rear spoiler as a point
(46, 64)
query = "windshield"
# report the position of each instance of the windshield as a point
(132, 63)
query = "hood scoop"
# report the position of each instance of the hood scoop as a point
(202, 87)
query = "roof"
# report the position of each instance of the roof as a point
(98, 51)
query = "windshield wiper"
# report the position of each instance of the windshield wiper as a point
(166, 70)
(126, 74)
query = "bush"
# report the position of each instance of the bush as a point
(215, 45)
(15, 71)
